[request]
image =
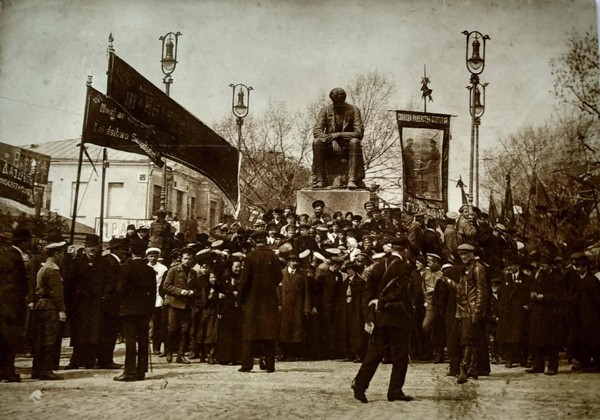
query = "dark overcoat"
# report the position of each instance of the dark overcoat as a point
(88, 281)
(258, 295)
(294, 299)
(513, 318)
(348, 325)
(588, 299)
(396, 299)
(137, 288)
(545, 328)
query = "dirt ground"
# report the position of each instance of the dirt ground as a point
(296, 390)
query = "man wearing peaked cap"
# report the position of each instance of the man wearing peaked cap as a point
(49, 312)
(391, 301)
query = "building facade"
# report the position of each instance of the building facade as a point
(132, 189)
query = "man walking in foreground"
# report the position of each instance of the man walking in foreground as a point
(389, 310)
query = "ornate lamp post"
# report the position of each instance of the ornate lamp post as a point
(240, 103)
(168, 62)
(475, 61)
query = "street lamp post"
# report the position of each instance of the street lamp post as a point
(168, 62)
(240, 103)
(475, 61)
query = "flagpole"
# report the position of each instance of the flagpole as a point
(79, 163)
(104, 166)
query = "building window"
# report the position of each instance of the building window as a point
(179, 207)
(116, 203)
(156, 198)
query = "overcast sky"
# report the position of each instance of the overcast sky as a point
(291, 51)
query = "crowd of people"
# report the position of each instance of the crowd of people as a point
(388, 288)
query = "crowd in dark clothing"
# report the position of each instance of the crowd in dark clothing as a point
(509, 303)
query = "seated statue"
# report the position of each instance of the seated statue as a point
(337, 151)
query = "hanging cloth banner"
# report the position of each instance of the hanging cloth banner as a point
(108, 124)
(424, 164)
(180, 136)
(20, 170)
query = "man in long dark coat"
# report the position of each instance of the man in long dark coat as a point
(258, 295)
(294, 301)
(13, 291)
(545, 331)
(348, 325)
(513, 318)
(137, 289)
(588, 302)
(88, 276)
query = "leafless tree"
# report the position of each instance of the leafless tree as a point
(576, 73)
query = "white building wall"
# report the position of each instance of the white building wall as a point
(130, 201)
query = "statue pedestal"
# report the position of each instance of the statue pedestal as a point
(335, 200)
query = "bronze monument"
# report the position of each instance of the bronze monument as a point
(337, 152)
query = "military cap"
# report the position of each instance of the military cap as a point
(452, 215)
(403, 242)
(56, 245)
(217, 243)
(143, 228)
(303, 226)
(581, 259)
(357, 217)
(304, 254)
(436, 256)
(369, 205)
(153, 250)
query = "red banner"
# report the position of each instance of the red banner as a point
(424, 138)
(180, 136)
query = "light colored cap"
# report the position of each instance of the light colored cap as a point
(56, 245)
(153, 250)
(452, 215)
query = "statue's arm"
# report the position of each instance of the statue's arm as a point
(321, 125)
(357, 123)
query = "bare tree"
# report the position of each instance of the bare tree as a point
(576, 73)
(272, 149)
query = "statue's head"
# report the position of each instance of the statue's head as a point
(337, 96)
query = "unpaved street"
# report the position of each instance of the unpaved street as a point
(297, 390)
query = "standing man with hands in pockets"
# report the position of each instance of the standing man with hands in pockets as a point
(179, 289)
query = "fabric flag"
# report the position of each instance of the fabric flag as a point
(493, 212)
(508, 210)
(180, 136)
(460, 184)
(542, 200)
(108, 124)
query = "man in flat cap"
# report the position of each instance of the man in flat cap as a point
(337, 137)
(258, 296)
(471, 303)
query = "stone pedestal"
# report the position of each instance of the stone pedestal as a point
(335, 200)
